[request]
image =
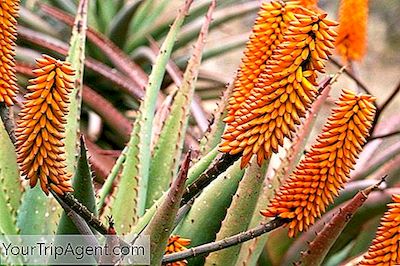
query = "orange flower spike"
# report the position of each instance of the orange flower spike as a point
(177, 244)
(324, 170)
(8, 32)
(385, 249)
(284, 91)
(41, 126)
(352, 38)
(312, 4)
(269, 27)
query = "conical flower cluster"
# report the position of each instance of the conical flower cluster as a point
(41, 126)
(285, 89)
(267, 33)
(8, 35)
(177, 244)
(352, 38)
(324, 170)
(385, 248)
(308, 3)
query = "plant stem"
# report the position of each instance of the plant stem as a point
(79, 222)
(84, 212)
(380, 109)
(227, 242)
(385, 135)
(8, 121)
(223, 163)
(352, 76)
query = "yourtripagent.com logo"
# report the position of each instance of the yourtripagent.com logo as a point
(74, 250)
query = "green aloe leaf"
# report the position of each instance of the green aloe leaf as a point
(38, 215)
(162, 223)
(325, 238)
(194, 172)
(35, 22)
(143, 19)
(132, 190)
(76, 56)
(105, 190)
(374, 206)
(106, 12)
(9, 171)
(212, 137)
(149, 103)
(67, 5)
(223, 15)
(226, 45)
(203, 221)
(119, 25)
(363, 241)
(7, 222)
(160, 28)
(127, 190)
(240, 212)
(165, 160)
(141, 14)
(83, 192)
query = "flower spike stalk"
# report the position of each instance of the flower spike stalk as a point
(324, 170)
(41, 126)
(8, 35)
(284, 90)
(385, 249)
(353, 18)
(176, 244)
(269, 27)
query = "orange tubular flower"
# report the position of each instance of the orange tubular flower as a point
(284, 91)
(353, 17)
(267, 34)
(268, 31)
(41, 126)
(324, 170)
(385, 249)
(8, 32)
(176, 244)
(309, 3)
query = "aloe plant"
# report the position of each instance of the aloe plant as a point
(116, 129)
